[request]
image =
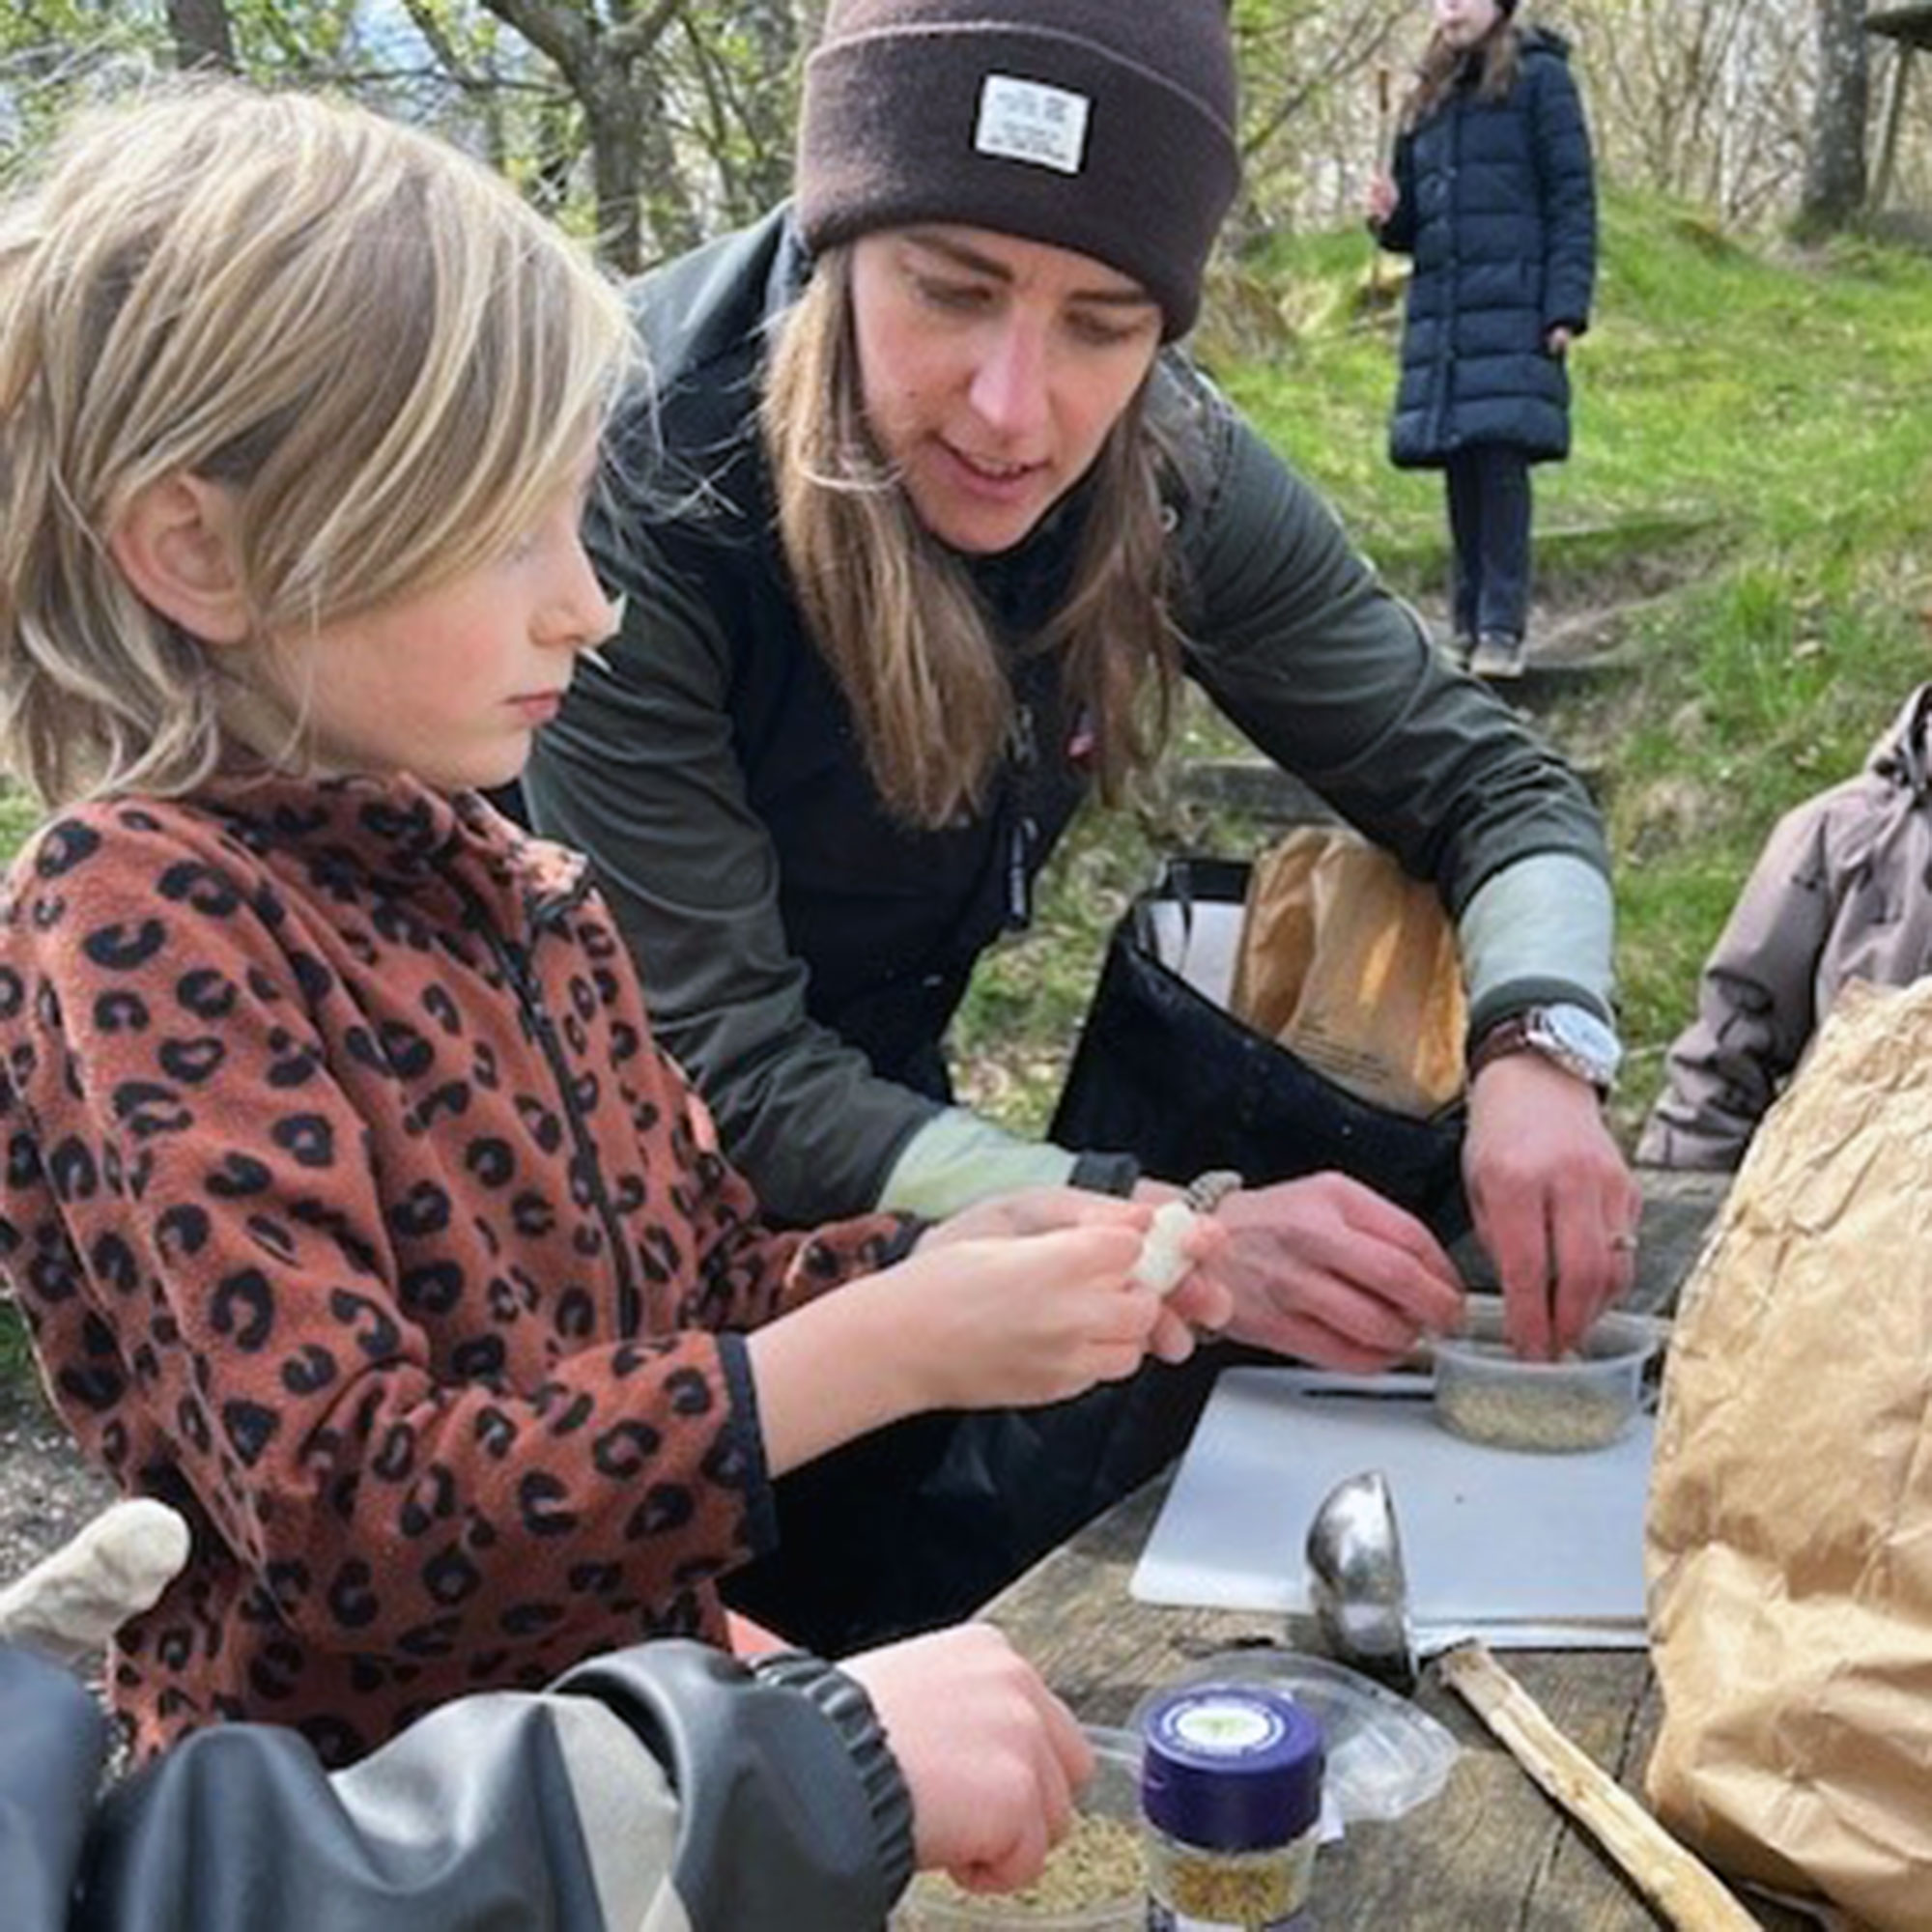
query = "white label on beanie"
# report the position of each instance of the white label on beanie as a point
(1027, 121)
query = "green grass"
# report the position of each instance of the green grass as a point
(17, 1376)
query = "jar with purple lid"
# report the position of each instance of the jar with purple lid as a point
(1231, 1797)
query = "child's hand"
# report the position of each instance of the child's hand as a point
(1198, 1303)
(1024, 1318)
(1383, 197)
(1035, 1210)
(992, 1756)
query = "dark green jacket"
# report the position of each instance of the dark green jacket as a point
(802, 954)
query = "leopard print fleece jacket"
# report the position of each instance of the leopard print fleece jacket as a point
(358, 1215)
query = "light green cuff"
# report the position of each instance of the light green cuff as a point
(1550, 917)
(957, 1158)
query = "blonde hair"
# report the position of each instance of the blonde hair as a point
(896, 614)
(389, 361)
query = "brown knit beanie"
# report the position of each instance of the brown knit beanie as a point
(1106, 126)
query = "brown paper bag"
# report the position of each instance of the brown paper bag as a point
(1789, 1539)
(1352, 964)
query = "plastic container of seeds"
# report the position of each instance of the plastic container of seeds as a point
(1095, 1878)
(1487, 1393)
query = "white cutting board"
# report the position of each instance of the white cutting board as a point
(1519, 1548)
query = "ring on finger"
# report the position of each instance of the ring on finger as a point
(1624, 1243)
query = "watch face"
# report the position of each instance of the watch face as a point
(1577, 1037)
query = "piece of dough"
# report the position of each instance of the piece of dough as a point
(1163, 1263)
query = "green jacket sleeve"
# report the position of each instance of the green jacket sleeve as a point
(1294, 637)
(640, 774)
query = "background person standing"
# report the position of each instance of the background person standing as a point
(1493, 196)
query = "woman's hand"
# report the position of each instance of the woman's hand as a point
(1326, 1270)
(1555, 1207)
(1383, 197)
(992, 1756)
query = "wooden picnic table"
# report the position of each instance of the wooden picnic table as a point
(1489, 1854)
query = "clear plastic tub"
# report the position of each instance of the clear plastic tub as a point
(1586, 1400)
(932, 1904)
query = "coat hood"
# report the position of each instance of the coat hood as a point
(1544, 40)
(1900, 753)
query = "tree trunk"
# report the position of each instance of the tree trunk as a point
(674, 226)
(771, 26)
(616, 176)
(1835, 165)
(203, 37)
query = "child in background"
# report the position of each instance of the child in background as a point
(357, 1215)
(1492, 195)
(1839, 892)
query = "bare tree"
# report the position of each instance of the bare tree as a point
(606, 55)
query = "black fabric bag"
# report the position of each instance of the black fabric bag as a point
(1165, 1074)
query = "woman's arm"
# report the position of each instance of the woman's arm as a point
(1756, 1006)
(1396, 229)
(640, 773)
(1294, 637)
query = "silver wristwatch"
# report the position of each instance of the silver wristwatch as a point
(1572, 1036)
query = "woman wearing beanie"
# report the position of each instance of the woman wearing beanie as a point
(1492, 195)
(923, 523)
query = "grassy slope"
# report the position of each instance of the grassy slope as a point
(1753, 436)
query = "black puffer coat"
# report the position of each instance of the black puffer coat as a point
(1497, 206)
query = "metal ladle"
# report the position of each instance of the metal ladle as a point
(1359, 1587)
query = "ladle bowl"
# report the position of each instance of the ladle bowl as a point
(1359, 1588)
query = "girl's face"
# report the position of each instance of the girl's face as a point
(450, 683)
(991, 371)
(1465, 23)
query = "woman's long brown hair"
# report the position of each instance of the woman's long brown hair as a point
(896, 613)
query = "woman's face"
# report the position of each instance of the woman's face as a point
(991, 370)
(1465, 23)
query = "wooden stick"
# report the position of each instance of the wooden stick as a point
(1681, 1886)
(1382, 161)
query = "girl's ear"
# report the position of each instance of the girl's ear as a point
(175, 542)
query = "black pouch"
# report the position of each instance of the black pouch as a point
(1164, 1073)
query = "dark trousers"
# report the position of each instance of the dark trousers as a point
(1489, 525)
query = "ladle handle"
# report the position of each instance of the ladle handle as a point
(1677, 1883)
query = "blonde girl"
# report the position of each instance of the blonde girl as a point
(357, 1213)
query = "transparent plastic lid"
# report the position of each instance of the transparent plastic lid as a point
(1386, 1755)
